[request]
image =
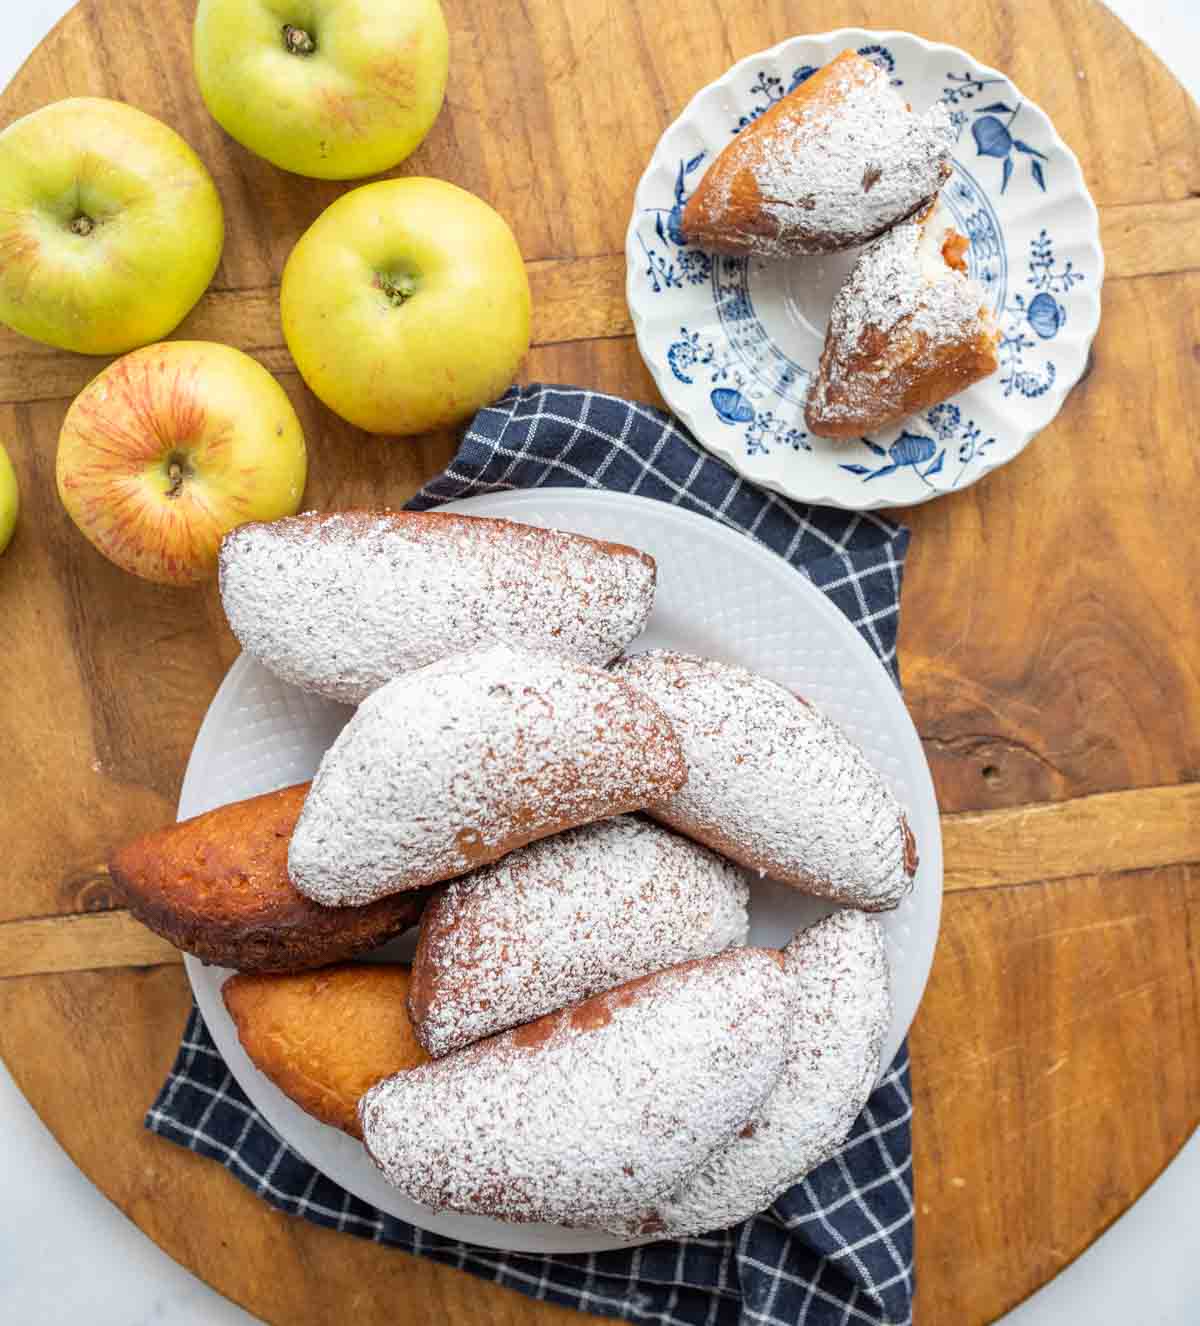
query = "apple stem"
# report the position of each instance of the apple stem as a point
(82, 225)
(297, 41)
(175, 476)
(399, 289)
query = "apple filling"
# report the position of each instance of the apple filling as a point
(954, 250)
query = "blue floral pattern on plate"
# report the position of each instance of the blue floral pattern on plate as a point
(733, 343)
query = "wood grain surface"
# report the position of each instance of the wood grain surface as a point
(1049, 646)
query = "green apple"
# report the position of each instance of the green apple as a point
(110, 227)
(336, 89)
(9, 500)
(172, 447)
(406, 305)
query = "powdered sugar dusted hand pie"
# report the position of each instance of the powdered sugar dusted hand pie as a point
(455, 765)
(339, 604)
(565, 918)
(833, 164)
(775, 785)
(592, 1112)
(908, 328)
(839, 973)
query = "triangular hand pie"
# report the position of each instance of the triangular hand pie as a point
(908, 329)
(833, 164)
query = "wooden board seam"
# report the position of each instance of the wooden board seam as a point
(575, 299)
(1101, 834)
(1110, 833)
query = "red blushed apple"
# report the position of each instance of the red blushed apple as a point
(173, 446)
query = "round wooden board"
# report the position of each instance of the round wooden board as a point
(1051, 616)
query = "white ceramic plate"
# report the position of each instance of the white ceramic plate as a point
(733, 343)
(719, 594)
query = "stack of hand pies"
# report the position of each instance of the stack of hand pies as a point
(584, 1036)
(843, 161)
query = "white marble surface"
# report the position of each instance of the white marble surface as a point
(68, 1256)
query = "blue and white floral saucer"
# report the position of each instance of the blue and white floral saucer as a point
(733, 342)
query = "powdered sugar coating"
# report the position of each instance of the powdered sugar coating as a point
(341, 603)
(832, 165)
(775, 785)
(842, 1007)
(898, 312)
(565, 918)
(592, 1112)
(451, 766)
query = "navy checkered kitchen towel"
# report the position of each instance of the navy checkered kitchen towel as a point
(836, 1248)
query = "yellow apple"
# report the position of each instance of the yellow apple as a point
(9, 500)
(172, 447)
(335, 89)
(406, 305)
(110, 227)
